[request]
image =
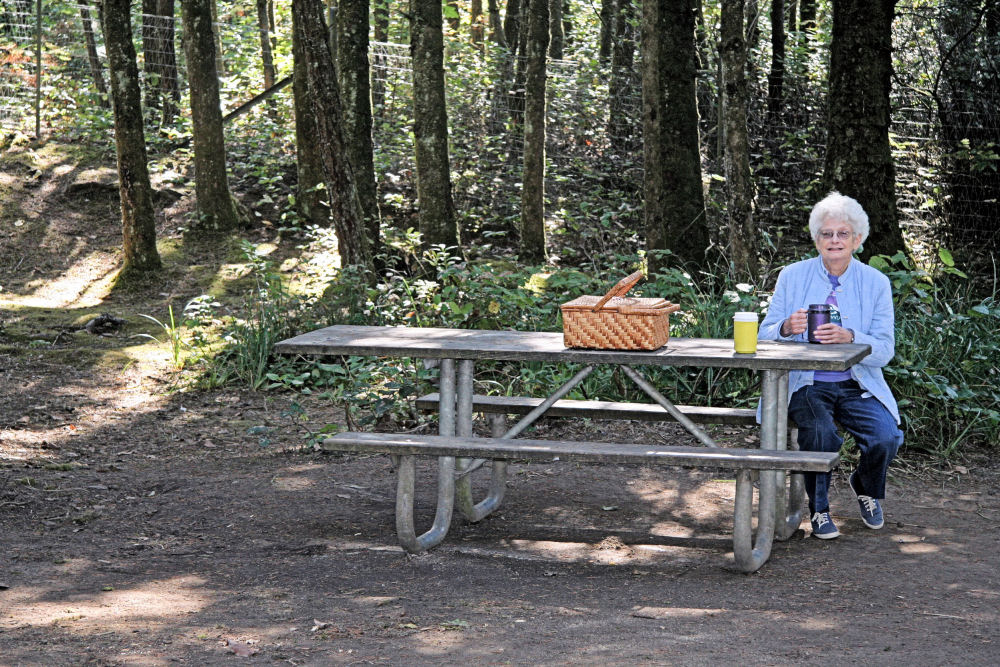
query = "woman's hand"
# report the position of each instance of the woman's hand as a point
(833, 333)
(795, 323)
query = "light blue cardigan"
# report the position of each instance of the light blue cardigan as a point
(865, 301)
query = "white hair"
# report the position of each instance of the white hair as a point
(836, 206)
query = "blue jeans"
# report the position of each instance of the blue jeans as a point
(816, 407)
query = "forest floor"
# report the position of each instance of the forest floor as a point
(144, 524)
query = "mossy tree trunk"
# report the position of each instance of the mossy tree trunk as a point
(430, 125)
(606, 34)
(356, 104)
(217, 210)
(532, 247)
(324, 95)
(138, 222)
(310, 199)
(674, 202)
(858, 156)
(739, 185)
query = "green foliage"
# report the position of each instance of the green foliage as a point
(946, 373)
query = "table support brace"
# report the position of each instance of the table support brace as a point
(651, 391)
(471, 510)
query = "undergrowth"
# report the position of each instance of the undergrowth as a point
(946, 372)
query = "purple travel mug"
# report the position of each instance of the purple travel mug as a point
(819, 314)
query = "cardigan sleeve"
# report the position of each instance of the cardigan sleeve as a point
(880, 333)
(770, 328)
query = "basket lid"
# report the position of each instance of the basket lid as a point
(618, 303)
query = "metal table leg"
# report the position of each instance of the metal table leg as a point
(750, 551)
(789, 505)
(405, 474)
(463, 485)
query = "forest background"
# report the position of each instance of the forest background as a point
(515, 215)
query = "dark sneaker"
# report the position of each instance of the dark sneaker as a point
(823, 527)
(871, 510)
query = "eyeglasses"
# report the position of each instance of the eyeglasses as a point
(841, 234)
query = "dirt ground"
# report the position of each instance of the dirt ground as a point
(142, 525)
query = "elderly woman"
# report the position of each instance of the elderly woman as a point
(859, 399)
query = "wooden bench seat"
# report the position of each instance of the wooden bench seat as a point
(592, 452)
(750, 552)
(522, 405)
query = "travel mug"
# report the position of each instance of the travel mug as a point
(745, 332)
(818, 315)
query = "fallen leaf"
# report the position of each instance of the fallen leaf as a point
(609, 508)
(242, 650)
(319, 625)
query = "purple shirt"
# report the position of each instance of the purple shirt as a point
(832, 376)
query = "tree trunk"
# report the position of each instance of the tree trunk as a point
(533, 179)
(776, 78)
(476, 32)
(624, 81)
(496, 24)
(310, 199)
(739, 186)
(355, 99)
(512, 25)
(793, 15)
(858, 157)
(674, 201)
(151, 54)
(606, 34)
(217, 210)
(430, 125)
(324, 95)
(170, 89)
(567, 19)
(138, 222)
(96, 71)
(266, 56)
(380, 12)
(556, 37)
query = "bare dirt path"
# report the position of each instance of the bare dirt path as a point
(144, 528)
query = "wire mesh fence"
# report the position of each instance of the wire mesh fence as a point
(593, 146)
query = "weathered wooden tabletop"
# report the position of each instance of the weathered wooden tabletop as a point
(437, 343)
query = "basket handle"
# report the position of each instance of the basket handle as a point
(623, 286)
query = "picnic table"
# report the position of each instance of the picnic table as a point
(459, 453)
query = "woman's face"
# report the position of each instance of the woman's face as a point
(837, 241)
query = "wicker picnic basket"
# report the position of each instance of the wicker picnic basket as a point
(617, 322)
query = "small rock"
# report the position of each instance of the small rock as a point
(103, 324)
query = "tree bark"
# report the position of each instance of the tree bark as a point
(310, 199)
(324, 95)
(96, 70)
(858, 156)
(776, 78)
(512, 25)
(217, 210)
(496, 24)
(476, 31)
(430, 125)
(138, 223)
(266, 56)
(380, 17)
(624, 81)
(606, 34)
(355, 102)
(533, 177)
(674, 202)
(739, 185)
(793, 15)
(556, 37)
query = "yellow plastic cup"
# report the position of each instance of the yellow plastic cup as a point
(745, 332)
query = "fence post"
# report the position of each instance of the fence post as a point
(38, 69)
